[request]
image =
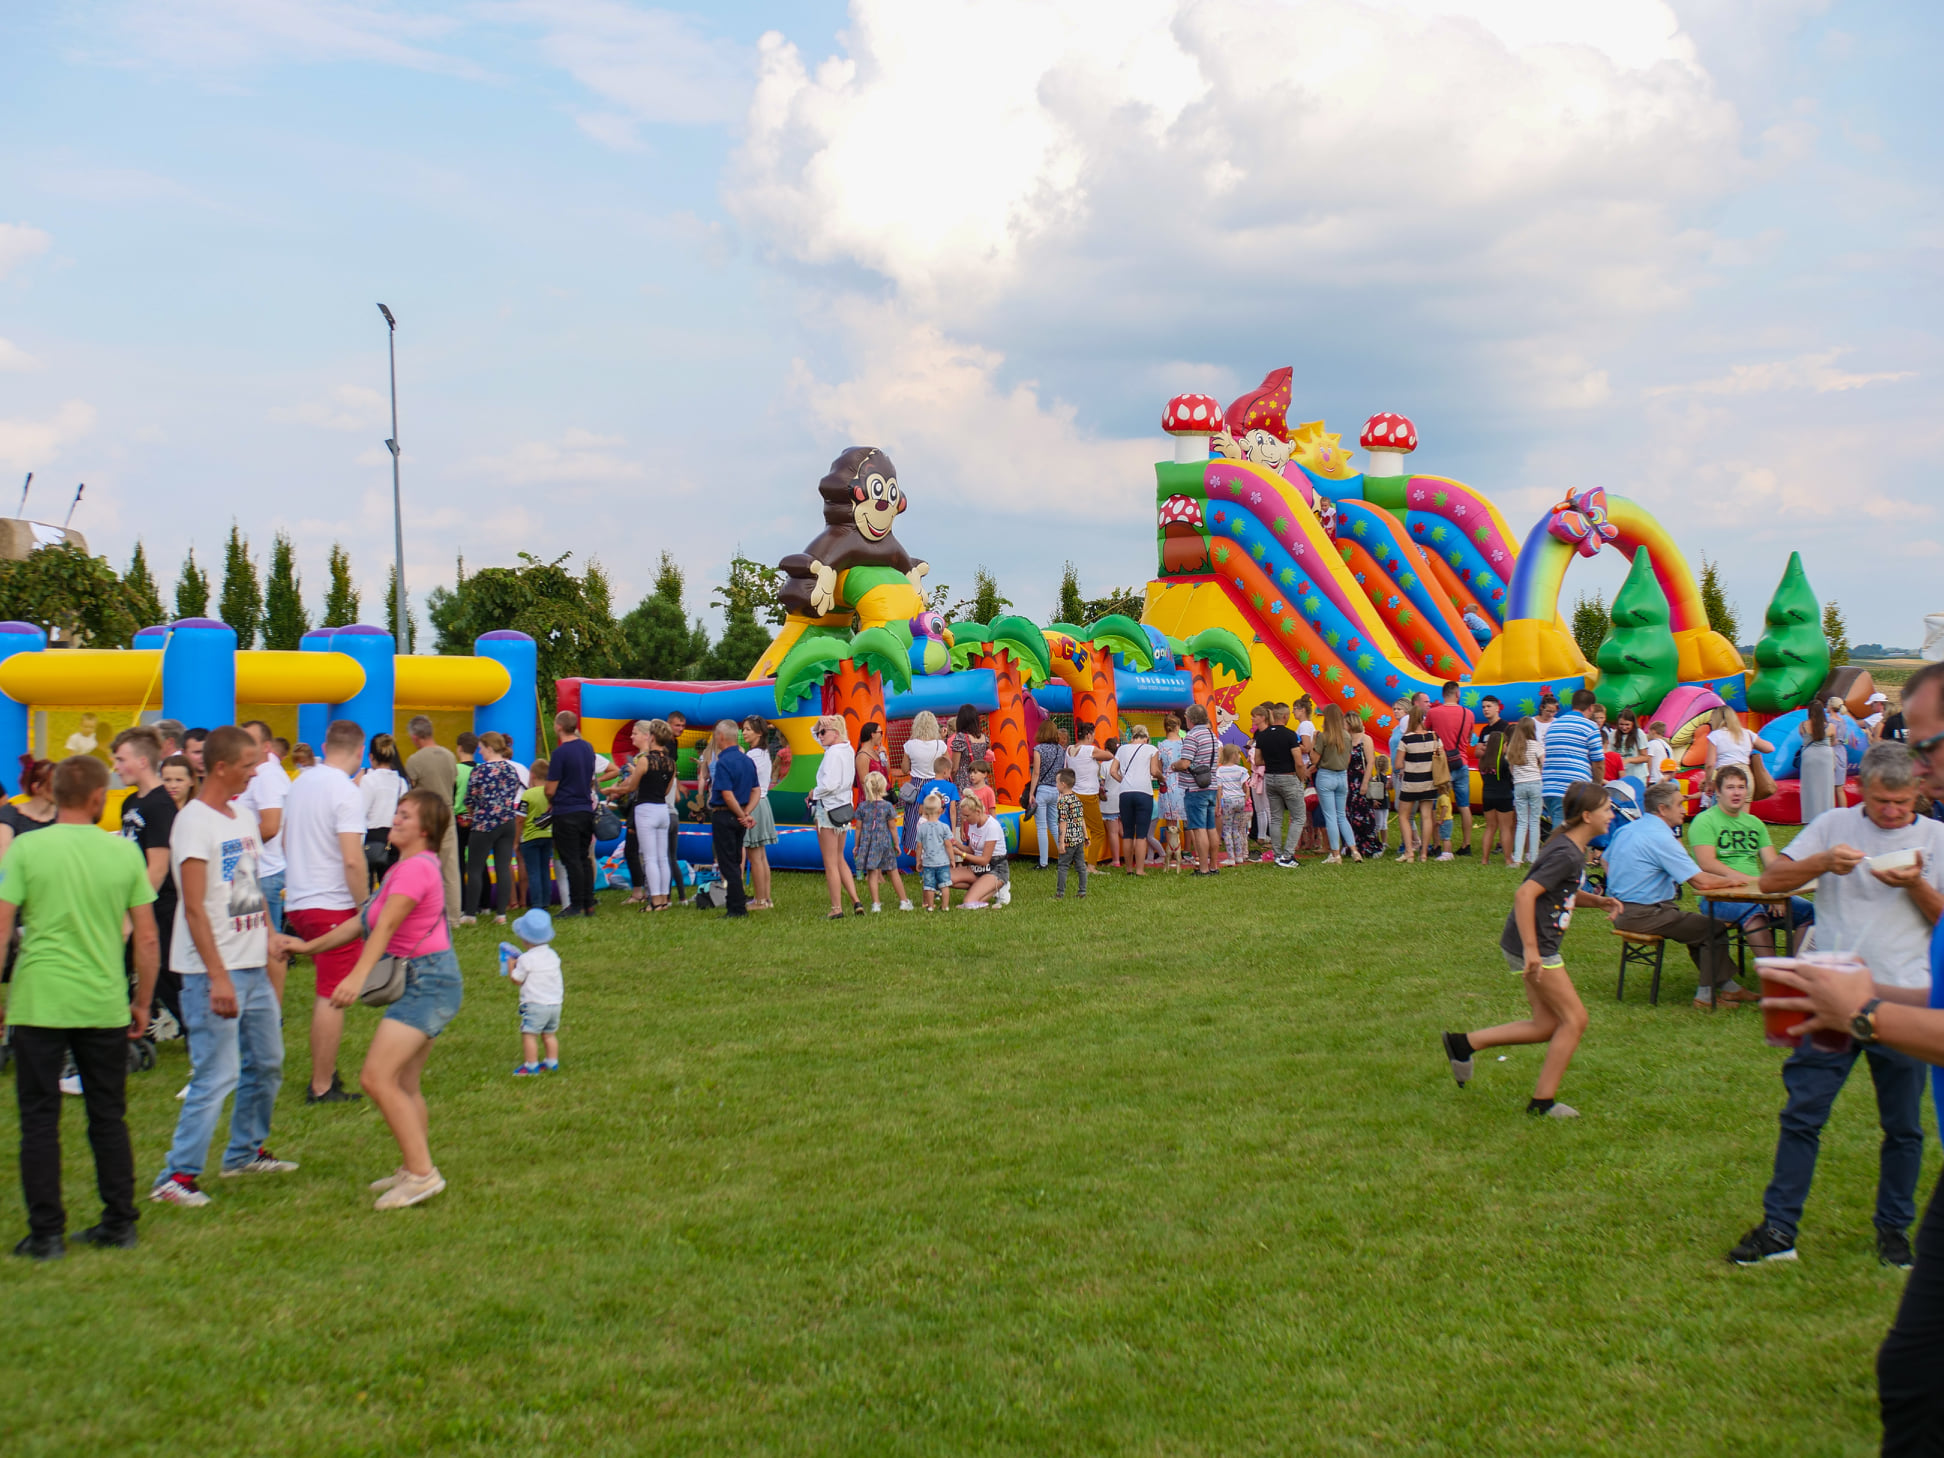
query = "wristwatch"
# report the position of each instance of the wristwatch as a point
(1863, 1025)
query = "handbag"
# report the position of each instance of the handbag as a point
(607, 825)
(385, 983)
(840, 816)
(1440, 769)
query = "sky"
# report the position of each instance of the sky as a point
(654, 269)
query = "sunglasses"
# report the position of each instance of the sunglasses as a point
(1924, 748)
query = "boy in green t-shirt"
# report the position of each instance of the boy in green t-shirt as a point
(1727, 840)
(76, 882)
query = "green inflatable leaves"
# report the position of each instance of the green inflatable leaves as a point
(1221, 648)
(1639, 661)
(1792, 660)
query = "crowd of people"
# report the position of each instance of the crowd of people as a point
(365, 860)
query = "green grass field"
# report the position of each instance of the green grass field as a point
(1177, 1169)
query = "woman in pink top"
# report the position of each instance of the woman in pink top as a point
(406, 919)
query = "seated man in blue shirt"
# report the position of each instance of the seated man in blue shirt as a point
(1646, 868)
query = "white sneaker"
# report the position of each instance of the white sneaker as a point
(379, 1186)
(183, 1092)
(71, 1085)
(876, 907)
(262, 1162)
(468, 921)
(904, 906)
(179, 1190)
(1562, 1111)
(410, 1190)
(1447, 856)
(1004, 898)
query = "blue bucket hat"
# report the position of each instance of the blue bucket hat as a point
(536, 927)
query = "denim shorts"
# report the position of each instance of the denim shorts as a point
(433, 992)
(1201, 809)
(537, 1017)
(935, 878)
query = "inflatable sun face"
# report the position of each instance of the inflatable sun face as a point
(876, 504)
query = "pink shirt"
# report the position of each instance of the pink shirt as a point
(424, 930)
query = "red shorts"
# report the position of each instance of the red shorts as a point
(332, 966)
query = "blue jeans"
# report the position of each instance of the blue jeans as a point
(1802, 911)
(1046, 803)
(1333, 799)
(273, 898)
(1527, 804)
(1813, 1079)
(245, 1054)
(1555, 806)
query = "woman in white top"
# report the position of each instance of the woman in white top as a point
(1134, 762)
(835, 774)
(1525, 755)
(762, 835)
(381, 786)
(1729, 743)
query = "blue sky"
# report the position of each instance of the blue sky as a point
(654, 269)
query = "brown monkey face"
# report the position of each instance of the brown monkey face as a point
(876, 502)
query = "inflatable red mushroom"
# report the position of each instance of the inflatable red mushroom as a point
(1389, 438)
(1191, 420)
(1183, 548)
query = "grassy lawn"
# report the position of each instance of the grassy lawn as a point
(1177, 1169)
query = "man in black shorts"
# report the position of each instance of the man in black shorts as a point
(1495, 778)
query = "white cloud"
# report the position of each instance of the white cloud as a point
(18, 243)
(347, 408)
(938, 408)
(27, 445)
(1815, 372)
(579, 458)
(15, 360)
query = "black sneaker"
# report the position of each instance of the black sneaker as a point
(102, 1236)
(1763, 1243)
(335, 1094)
(1461, 1067)
(41, 1248)
(1463, 850)
(1893, 1249)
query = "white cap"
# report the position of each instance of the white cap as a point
(1877, 699)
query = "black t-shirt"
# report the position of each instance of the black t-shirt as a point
(1278, 744)
(1558, 870)
(147, 820)
(1893, 727)
(1493, 770)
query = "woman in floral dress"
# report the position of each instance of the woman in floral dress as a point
(1361, 809)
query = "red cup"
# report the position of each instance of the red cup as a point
(1777, 1022)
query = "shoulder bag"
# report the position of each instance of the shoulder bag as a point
(385, 983)
(1440, 768)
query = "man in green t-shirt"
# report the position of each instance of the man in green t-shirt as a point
(72, 884)
(1727, 840)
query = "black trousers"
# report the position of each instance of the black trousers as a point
(631, 849)
(728, 832)
(573, 836)
(1910, 1364)
(676, 882)
(101, 1056)
(501, 844)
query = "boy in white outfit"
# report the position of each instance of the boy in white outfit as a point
(536, 972)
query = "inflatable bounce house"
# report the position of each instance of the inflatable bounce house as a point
(191, 671)
(859, 640)
(1360, 588)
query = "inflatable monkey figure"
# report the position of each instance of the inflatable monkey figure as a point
(861, 504)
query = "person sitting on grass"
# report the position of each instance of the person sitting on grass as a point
(536, 972)
(935, 853)
(406, 919)
(876, 850)
(1728, 841)
(981, 858)
(1646, 868)
(1542, 909)
(1071, 817)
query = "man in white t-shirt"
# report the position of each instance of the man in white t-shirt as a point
(230, 1005)
(268, 788)
(325, 880)
(1886, 917)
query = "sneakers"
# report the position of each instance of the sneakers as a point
(550, 1065)
(410, 1189)
(179, 1189)
(1464, 850)
(1004, 898)
(468, 921)
(1562, 1111)
(1766, 1243)
(41, 1248)
(1461, 1064)
(876, 907)
(379, 1186)
(106, 1239)
(71, 1085)
(335, 1094)
(1893, 1249)
(262, 1162)
(526, 1070)
(1446, 856)
(1288, 863)
(906, 905)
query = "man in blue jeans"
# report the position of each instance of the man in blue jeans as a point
(231, 996)
(1886, 918)
(1574, 752)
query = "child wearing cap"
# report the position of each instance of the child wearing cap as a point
(536, 972)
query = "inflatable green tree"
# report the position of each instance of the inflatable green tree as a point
(1792, 659)
(1639, 661)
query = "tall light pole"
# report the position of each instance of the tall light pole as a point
(400, 616)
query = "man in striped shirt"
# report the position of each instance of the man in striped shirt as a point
(1574, 752)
